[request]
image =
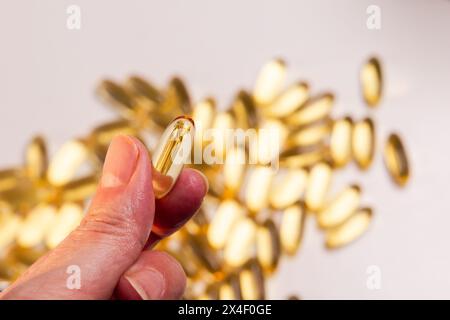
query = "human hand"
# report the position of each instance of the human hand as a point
(110, 247)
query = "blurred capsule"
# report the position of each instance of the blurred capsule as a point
(270, 81)
(10, 178)
(297, 158)
(221, 136)
(257, 188)
(267, 142)
(175, 101)
(118, 97)
(36, 158)
(396, 160)
(292, 228)
(10, 268)
(340, 208)
(171, 154)
(145, 93)
(314, 109)
(233, 171)
(203, 116)
(66, 162)
(268, 248)
(226, 216)
(243, 110)
(240, 244)
(251, 280)
(363, 143)
(203, 253)
(103, 134)
(78, 190)
(310, 134)
(371, 82)
(36, 225)
(287, 188)
(318, 185)
(289, 101)
(67, 219)
(28, 255)
(9, 225)
(350, 230)
(230, 289)
(341, 142)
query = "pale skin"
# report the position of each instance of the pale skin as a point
(111, 246)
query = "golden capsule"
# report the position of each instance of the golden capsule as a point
(10, 178)
(266, 143)
(363, 143)
(144, 92)
(289, 101)
(233, 170)
(78, 190)
(244, 111)
(103, 135)
(350, 230)
(67, 219)
(9, 227)
(36, 225)
(10, 268)
(396, 160)
(313, 110)
(309, 135)
(287, 188)
(28, 255)
(268, 248)
(270, 81)
(201, 251)
(251, 280)
(341, 142)
(318, 185)
(219, 138)
(66, 162)
(296, 158)
(340, 208)
(240, 244)
(258, 187)
(292, 228)
(371, 82)
(226, 216)
(171, 154)
(203, 116)
(230, 289)
(36, 159)
(118, 97)
(176, 100)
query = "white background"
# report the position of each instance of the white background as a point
(48, 74)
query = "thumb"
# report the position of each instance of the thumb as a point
(109, 239)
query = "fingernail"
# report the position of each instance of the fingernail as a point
(148, 283)
(120, 162)
(204, 179)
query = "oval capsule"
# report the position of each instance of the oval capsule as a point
(309, 135)
(318, 185)
(171, 154)
(340, 208)
(251, 281)
(270, 81)
(240, 244)
(258, 187)
(371, 82)
(314, 109)
(67, 219)
(118, 97)
(203, 116)
(303, 157)
(396, 160)
(226, 216)
(244, 111)
(233, 171)
(268, 248)
(341, 142)
(9, 226)
(291, 228)
(363, 143)
(288, 101)
(350, 230)
(175, 100)
(287, 188)
(36, 158)
(35, 226)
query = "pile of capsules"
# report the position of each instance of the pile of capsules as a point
(252, 216)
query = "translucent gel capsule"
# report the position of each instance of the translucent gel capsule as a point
(67, 219)
(244, 111)
(66, 162)
(341, 142)
(144, 92)
(264, 148)
(226, 216)
(313, 110)
(396, 160)
(296, 158)
(363, 143)
(270, 81)
(10, 178)
(36, 225)
(289, 101)
(118, 97)
(171, 154)
(203, 253)
(78, 190)
(318, 185)
(229, 289)
(340, 208)
(291, 228)
(203, 116)
(251, 280)
(287, 188)
(240, 244)
(36, 158)
(268, 248)
(233, 170)
(9, 226)
(258, 187)
(223, 125)
(176, 100)
(371, 82)
(309, 135)
(350, 230)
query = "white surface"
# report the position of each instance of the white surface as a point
(48, 73)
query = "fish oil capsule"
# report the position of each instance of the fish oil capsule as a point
(118, 97)
(289, 101)
(363, 143)
(176, 100)
(287, 188)
(371, 82)
(240, 244)
(203, 116)
(340, 208)
(268, 246)
(229, 289)
(78, 190)
(226, 216)
(310, 135)
(269, 82)
(341, 142)
(67, 219)
(171, 154)
(396, 160)
(314, 109)
(233, 171)
(244, 111)
(258, 187)
(142, 90)
(9, 226)
(251, 280)
(350, 230)
(66, 162)
(303, 157)
(318, 185)
(264, 148)
(221, 135)
(35, 226)
(11, 178)
(291, 228)
(36, 159)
